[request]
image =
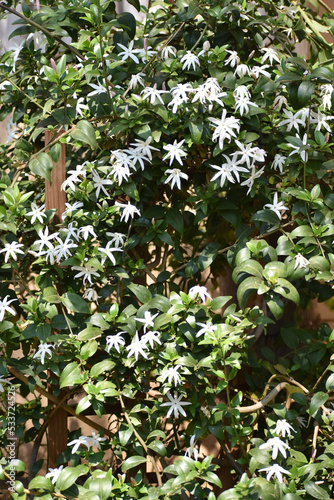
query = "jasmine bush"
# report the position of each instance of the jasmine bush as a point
(196, 141)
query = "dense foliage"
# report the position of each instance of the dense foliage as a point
(198, 143)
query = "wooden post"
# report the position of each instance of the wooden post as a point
(55, 198)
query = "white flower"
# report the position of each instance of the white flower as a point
(76, 443)
(137, 347)
(151, 337)
(115, 341)
(70, 207)
(128, 210)
(168, 52)
(120, 172)
(276, 445)
(95, 439)
(63, 249)
(248, 153)
(254, 175)
(189, 60)
(129, 52)
(79, 107)
(108, 251)
(146, 53)
(3, 381)
(148, 320)
(138, 156)
(241, 92)
(321, 120)
(87, 272)
(100, 183)
(45, 239)
(241, 70)
(279, 102)
(242, 105)
(206, 328)
(43, 349)
(226, 170)
(144, 147)
(175, 405)
(172, 375)
(225, 127)
(275, 469)
(199, 291)
(153, 93)
(206, 412)
(117, 239)
(175, 152)
(292, 120)
(54, 474)
(276, 206)
(256, 71)
(98, 89)
(279, 162)
(270, 54)
(86, 231)
(233, 59)
(283, 428)
(175, 175)
(91, 295)
(301, 148)
(136, 80)
(12, 249)
(301, 261)
(36, 213)
(205, 50)
(192, 450)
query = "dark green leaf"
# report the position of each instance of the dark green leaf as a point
(42, 165)
(67, 477)
(318, 400)
(101, 367)
(69, 375)
(75, 303)
(208, 255)
(132, 462)
(141, 292)
(84, 132)
(316, 491)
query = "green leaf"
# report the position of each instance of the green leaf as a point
(128, 22)
(67, 477)
(141, 292)
(305, 91)
(158, 447)
(267, 216)
(50, 295)
(245, 289)
(175, 218)
(42, 165)
(301, 231)
(318, 400)
(90, 332)
(132, 462)
(287, 290)
(208, 255)
(196, 131)
(75, 303)
(330, 382)
(101, 367)
(100, 486)
(41, 483)
(55, 152)
(316, 491)
(69, 375)
(219, 302)
(85, 133)
(135, 4)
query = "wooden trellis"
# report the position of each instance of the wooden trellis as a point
(56, 198)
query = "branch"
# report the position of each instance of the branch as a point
(40, 28)
(261, 404)
(55, 400)
(142, 442)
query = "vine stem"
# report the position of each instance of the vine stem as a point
(142, 442)
(30, 98)
(40, 28)
(55, 400)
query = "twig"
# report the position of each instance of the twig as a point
(55, 400)
(142, 442)
(40, 28)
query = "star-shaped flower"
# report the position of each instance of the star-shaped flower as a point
(43, 349)
(175, 405)
(276, 206)
(276, 470)
(128, 52)
(175, 175)
(276, 445)
(174, 152)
